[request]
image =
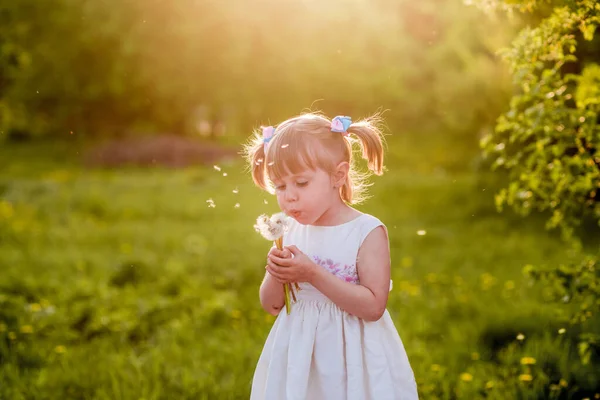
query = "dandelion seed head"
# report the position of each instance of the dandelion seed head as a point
(271, 228)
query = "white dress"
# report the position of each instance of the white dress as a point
(319, 351)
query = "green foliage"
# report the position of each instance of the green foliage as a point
(126, 284)
(549, 142)
(110, 66)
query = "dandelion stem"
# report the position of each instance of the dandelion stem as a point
(286, 288)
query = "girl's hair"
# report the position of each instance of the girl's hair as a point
(306, 141)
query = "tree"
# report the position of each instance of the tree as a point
(549, 142)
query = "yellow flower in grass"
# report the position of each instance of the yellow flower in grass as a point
(527, 360)
(6, 210)
(35, 307)
(462, 298)
(525, 378)
(60, 349)
(475, 356)
(431, 277)
(407, 262)
(509, 285)
(2, 327)
(27, 329)
(435, 367)
(12, 335)
(487, 280)
(563, 383)
(489, 384)
(465, 376)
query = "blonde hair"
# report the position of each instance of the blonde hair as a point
(306, 141)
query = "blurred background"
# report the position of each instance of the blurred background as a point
(129, 268)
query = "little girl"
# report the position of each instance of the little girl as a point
(339, 341)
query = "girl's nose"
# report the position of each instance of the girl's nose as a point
(291, 195)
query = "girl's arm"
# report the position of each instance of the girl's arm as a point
(367, 300)
(271, 295)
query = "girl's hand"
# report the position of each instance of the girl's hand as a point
(285, 253)
(300, 268)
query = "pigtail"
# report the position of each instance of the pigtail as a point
(370, 138)
(371, 142)
(254, 153)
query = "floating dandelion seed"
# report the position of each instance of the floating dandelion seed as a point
(216, 167)
(265, 201)
(260, 160)
(224, 173)
(236, 191)
(561, 331)
(271, 163)
(237, 205)
(421, 232)
(211, 203)
(520, 336)
(283, 146)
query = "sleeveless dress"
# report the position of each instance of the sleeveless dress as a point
(321, 352)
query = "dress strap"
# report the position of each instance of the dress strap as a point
(369, 223)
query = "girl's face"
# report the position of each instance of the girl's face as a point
(306, 196)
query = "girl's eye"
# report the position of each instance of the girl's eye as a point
(280, 187)
(301, 184)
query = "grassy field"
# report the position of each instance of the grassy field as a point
(127, 284)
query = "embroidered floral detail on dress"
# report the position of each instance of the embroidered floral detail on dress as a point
(344, 272)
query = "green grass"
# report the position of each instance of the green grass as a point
(124, 284)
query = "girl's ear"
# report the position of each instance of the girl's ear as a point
(341, 174)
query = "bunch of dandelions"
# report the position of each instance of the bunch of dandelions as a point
(272, 228)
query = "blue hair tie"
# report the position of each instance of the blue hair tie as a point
(340, 124)
(268, 133)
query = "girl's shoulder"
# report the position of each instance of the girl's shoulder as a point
(366, 223)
